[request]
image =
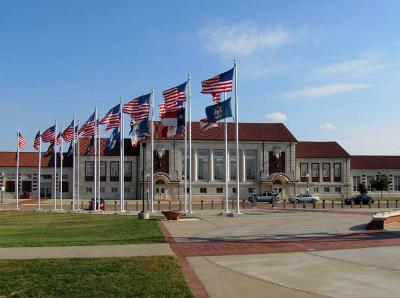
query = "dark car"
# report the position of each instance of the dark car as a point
(102, 205)
(267, 197)
(363, 199)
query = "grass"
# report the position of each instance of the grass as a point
(108, 277)
(27, 229)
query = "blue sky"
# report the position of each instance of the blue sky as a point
(330, 70)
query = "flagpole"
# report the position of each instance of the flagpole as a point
(152, 151)
(61, 169)
(95, 159)
(226, 165)
(185, 161)
(78, 153)
(73, 164)
(190, 142)
(17, 171)
(99, 163)
(39, 165)
(121, 159)
(237, 140)
(55, 164)
(123, 163)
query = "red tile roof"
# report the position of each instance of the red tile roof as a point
(273, 132)
(320, 150)
(375, 162)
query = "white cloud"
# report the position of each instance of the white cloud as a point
(357, 68)
(328, 126)
(241, 39)
(276, 117)
(325, 90)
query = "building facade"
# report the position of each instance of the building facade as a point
(270, 159)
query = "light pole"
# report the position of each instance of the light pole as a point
(308, 183)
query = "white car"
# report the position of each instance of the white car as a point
(308, 198)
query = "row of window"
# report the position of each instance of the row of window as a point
(112, 189)
(336, 189)
(357, 182)
(326, 172)
(203, 164)
(114, 171)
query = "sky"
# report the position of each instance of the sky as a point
(329, 70)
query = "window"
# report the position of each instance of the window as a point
(234, 190)
(89, 170)
(203, 190)
(220, 190)
(114, 189)
(232, 164)
(303, 172)
(127, 189)
(45, 176)
(370, 179)
(89, 190)
(202, 165)
(326, 189)
(128, 171)
(326, 172)
(183, 164)
(315, 172)
(102, 189)
(338, 189)
(337, 170)
(356, 183)
(316, 189)
(219, 165)
(10, 186)
(65, 177)
(250, 164)
(65, 186)
(251, 189)
(396, 184)
(114, 171)
(103, 171)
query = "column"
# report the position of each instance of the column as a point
(211, 165)
(243, 165)
(194, 165)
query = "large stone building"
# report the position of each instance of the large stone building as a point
(270, 158)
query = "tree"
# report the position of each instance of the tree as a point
(381, 183)
(362, 189)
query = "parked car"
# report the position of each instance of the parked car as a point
(102, 204)
(364, 199)
(308, 198)
(266, 197)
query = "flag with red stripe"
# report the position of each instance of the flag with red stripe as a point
(49, 134)
(68, 133)
(89, 128)
(138, 108)
(218, 84)
(21, 141)
(112, 118)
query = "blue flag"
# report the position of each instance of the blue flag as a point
(70, 150)
(90, 146)
(219, 111)
(113, 140)
(140, 127)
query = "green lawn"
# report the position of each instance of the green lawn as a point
(63, 229)
(108, 277)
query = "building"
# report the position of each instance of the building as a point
(270, 158)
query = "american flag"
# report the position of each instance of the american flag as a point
(89, 128)
(162, 110)
(112, 118)
(138, 108)
(218, 84)
(206, 125)
(174, 95)
(49, 134)
(36, 142)
(21, 141)
(58, 141)
(68, 133)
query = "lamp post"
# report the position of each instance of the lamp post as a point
(308, 183)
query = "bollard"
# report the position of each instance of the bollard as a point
(71, 206)
(82, 206)
(313, 204)
(387, 204)
(323, 204)
(304, 204)
(351, 203)
(397, 204)
(212, 204)
(284, 204)
(360, 204)
(126, 206)
(159, 205)
(342, 204)
(379, 203)
(244, 204)
(169, 205)
(201, 207)
(115, 205)
(333, 204)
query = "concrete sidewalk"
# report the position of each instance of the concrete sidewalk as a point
(97, 251)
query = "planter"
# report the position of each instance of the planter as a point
(145, 215)
(172, 215)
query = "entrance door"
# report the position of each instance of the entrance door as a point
(159, 190)
(45, 190)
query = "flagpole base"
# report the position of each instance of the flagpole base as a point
(227, 213)
(143, 215)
